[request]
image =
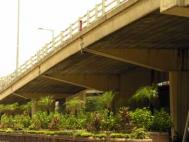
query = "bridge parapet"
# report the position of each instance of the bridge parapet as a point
(58, 42)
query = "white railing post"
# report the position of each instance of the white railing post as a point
(96, 11)
(103, 6)
(118, 2)
(62, 36)
(71, 30)
(88, 18)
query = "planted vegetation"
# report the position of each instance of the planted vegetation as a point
(94, 119)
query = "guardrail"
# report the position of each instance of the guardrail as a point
(86, 20)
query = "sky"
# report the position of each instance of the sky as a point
(34, 14)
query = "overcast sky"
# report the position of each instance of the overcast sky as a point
(52, 14)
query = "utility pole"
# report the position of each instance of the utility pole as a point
(18, 34)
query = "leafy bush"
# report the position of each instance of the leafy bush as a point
(100, 102)
(21, 121)
(74, 105)
(9, 108)
(108, 122)
(144, 97)
(93, 104)
(94, 121)
(40, 120)
(124, 123)
(55, 121)
(26, 108)
(7, 121)
(120, 135)
(142, 118)
(139, 133)
(83, 133)
(161, 121)
(46, 103)
(70, 121)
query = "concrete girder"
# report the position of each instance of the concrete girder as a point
(158, 59)
(37, 95)
(175, 7)
(100, 82)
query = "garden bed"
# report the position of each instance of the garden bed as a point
(16, 137)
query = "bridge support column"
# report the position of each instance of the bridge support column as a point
(34, 106)
(129, 83)
(179, 100)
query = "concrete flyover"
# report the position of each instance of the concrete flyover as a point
(129, 46)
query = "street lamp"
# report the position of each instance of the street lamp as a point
(18, 34)
(50, 30)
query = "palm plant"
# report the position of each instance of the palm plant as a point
(74, 105)
(46, 103)
(144, 97)
(106, 99)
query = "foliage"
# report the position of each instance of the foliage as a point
(142, 118)
(139, 133)
(144, 97)
(21, 121)
(6, 121)
(46, 103)
(101, 120)
(26, 108)
(93, 104)
(74, 105)
(94, 121)
(55, 121)
(106, 99)
(109, 121)
(9, 108)
(70, 121)
(124, 117)
(100, 102)
(162, 121)
(83, 133)
(40, 120)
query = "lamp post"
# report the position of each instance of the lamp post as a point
(18, 34)
(50, 30)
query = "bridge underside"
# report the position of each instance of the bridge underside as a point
(141, 53)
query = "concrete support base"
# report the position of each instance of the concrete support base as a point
(179, 100)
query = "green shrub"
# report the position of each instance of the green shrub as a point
(46, 103)
(142, 118)
(108, 120)
(93, 104)
(94, 121)
(25, 108)
(139, 133)
(7, 121)
(21, 121)
(144, 97)
(70, 121)
(161, 121)
(40, 120)
(74, 105)
(83, 133)
(124, 123)
(55, 121)
(100, 102)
